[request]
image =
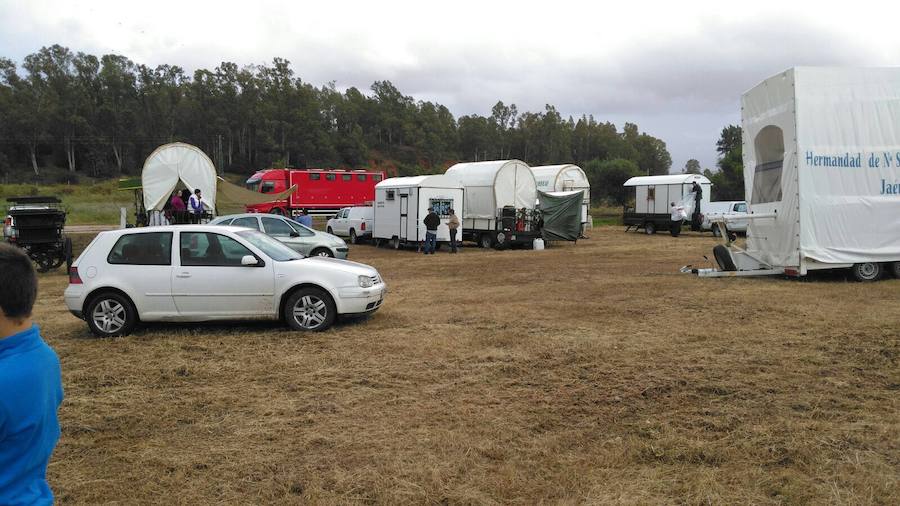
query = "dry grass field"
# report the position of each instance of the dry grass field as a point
(588, 373)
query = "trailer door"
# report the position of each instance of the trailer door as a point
(404, 215)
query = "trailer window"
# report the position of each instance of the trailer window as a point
(441, 206)
(361, 177)
(651, 193)
(315, 177)
(330, 177)
(347, 177)
(376, 177)
(769, 145)
(390, 195)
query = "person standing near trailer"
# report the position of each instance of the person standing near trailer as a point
(195, 205)
(177, 208)
(695, 217)
(453, 225)
(678, 216)
(431, 221)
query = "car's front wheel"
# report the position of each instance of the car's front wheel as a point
(322, 252)
(111, 314)
(309, 309)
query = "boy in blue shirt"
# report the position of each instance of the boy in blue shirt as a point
(30, 387)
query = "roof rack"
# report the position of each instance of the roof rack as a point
(34, 200)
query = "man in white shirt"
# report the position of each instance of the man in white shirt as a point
(677, 215)
(195, 206)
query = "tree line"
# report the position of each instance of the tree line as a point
(103, 116)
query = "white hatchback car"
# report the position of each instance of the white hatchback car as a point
(127, 276)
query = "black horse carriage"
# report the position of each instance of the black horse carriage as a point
(36, 224)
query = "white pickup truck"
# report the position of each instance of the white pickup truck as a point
(353, 222)
(733, 209)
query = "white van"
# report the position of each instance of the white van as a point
(731, 208)
(353, 222)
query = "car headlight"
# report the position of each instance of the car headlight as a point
(365, 282)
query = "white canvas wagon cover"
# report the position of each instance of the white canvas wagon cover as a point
(492, 185)
(175, 162)
(556, 178)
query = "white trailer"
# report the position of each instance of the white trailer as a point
(401, 203)
(564, 178)
(648, 199)
(821, 153)
(500, 200)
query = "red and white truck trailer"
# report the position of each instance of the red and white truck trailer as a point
(319, 191)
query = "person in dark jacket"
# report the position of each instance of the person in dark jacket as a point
(695, 216)
(431, 221)
(30, 387)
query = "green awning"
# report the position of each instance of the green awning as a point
(130, 183)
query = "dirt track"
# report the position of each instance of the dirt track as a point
(586, 373)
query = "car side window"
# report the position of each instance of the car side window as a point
(209, 249)
(740, 208)
(225, 222)
(303, 231)
(276, 227)
(345, 213)
(247, 221)
(154, 248)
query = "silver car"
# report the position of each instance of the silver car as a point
(298, 237)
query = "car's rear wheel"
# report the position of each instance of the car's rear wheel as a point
(649, 228)
(353, 238)
(309, 309)
(322, 252)
(486, 241)
(110, 314)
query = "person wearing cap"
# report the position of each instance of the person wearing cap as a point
(30, 387)
(431, 221)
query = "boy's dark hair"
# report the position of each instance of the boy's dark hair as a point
(197, 190)
(18, 282)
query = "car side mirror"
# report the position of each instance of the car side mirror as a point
(295, 234)
(249, 260)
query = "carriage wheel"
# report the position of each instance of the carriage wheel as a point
(43, 260)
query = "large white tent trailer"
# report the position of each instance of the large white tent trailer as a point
(401, 203)
(500, 197)
(564, 178)
(648, 199)
(821, 174)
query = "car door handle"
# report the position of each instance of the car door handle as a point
(183, 275)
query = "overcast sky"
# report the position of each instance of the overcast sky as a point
(677, 69)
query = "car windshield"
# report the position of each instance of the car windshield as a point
(271, 247)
